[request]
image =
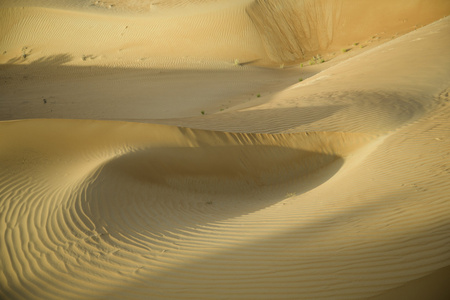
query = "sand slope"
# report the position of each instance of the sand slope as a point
(334, 186)
(262, 32)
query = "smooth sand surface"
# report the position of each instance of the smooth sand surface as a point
(201, 149)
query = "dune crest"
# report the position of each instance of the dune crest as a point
(193, 149)
(267, 33)
(294, 30)
(92, 193)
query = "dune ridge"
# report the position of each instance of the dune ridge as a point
(157, 154)
(82, 207)
(292, 30)
(264, 33)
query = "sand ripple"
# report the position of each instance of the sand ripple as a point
(118, 210)
(317, 182)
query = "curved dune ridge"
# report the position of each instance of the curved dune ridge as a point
(118, 200)
(155, 154)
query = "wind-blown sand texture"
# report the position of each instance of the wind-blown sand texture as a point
(186, 149)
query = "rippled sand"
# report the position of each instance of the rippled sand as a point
(201, 149)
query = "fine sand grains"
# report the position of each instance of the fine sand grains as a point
(169, 150)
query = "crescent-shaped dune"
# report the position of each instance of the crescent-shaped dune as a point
(210, 149)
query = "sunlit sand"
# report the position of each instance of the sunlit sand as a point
(224, 149)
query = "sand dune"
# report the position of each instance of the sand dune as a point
(177, 149)
(268, 33)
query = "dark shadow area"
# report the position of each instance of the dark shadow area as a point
(45, 61)
(152, 182)
(433, 286)
(15, 60)
(102, 93)
(248, 62)
(255, 121)
(248, 265)
(53, 60)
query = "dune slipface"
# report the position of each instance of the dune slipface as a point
(177, 149)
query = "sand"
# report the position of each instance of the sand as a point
(201, 149)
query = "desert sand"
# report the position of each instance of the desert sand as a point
(224, 149)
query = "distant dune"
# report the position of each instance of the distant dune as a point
(212, 149)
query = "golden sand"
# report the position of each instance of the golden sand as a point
(224, 149)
